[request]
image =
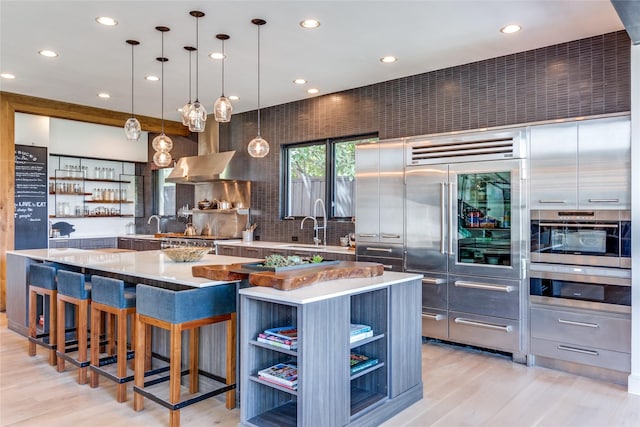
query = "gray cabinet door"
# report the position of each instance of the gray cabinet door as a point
(604, 163)
(554, 166)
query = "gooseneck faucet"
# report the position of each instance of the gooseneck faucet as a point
(157, 223)
(316, 228)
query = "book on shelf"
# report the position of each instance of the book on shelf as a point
(360, 336)
(278, 341)
(270, 380)
(285, 374)
(360, 362)
(285, 332)
(355, 329)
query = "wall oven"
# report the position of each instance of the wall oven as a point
(593, 238)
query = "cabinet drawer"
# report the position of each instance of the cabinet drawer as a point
(252, 252)
(380, 250)
(389, 264)
(484, 331)
(434, 291)
(435, 324)
(582, 329)
(582, 354)
(490, 297)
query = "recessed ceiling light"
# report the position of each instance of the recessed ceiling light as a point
(48, 53)
(510, 29)
(105, 20)
(104, 95)
(310, 23)
(234, 97)
(216, 55)
(313, 91)
(152, 78)
(299, 81)
(388, 59)
(7, 76)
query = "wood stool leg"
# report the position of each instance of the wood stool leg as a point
(94, 380)
(231, 360)
(53, 322)
(33, 321)
(131, 317)
(175, 357)
(148, 337)
(111, 335)
(194, 345)
(121, 393)
(81, 334)
(61, 338)
(140, 359)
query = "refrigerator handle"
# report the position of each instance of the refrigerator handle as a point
(450, 219)
(443, 218)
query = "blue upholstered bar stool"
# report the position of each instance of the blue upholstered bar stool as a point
(73, 289)
(177, 311)
(42, 281)
(113, 297)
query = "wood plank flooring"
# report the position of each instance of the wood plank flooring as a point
(461, 388)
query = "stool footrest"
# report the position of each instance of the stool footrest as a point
(186, 402)
(72, 360)
(108, 360)
(39, 339)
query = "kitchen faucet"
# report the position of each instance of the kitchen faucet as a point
(316, 239)
(158, 222)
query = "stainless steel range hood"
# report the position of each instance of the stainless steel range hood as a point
(197, 169)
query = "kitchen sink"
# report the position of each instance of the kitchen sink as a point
(303, 247)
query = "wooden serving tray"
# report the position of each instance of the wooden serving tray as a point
(293, 279)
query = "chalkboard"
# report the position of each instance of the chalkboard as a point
(31, 226)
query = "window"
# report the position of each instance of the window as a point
(164, 193)
(321, 170)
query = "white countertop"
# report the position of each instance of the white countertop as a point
(153, 265)
(288, 246)
(329, 289)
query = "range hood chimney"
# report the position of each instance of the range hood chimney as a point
(197, 169)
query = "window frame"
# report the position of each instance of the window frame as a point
(330, 172)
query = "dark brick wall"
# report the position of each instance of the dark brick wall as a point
(580, 78)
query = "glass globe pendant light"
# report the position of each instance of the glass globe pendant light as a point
(197, 112)
(162, 143)
(222, 108)
(187, 106)
(132, 128)
(258, 147)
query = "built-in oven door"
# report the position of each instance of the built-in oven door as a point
(485, 219)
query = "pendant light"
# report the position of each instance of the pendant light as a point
(187, 106)
(197, 112)
(258, 147)
(162, 143)
(132, 128)
(222, 108)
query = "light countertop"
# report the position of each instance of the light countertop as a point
(152, 265)
(288, 246)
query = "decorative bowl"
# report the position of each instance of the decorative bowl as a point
(185, 254)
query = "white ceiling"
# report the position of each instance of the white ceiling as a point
(342, 53)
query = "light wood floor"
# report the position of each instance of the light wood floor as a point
(461, 388)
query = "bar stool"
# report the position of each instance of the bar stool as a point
(118, 302)
(177, 311)
(42, 281)
(73, 289)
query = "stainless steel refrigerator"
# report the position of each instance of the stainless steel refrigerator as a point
(465, 216)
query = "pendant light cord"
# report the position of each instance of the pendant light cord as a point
(132, 115)
(259, 80)
(190, 76)
(197, 56)
(223, 59)
(162, 85)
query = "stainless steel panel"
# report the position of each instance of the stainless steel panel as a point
(435, 323)
(516, 244)
(600, 261)
(434, 291)
(367, 193)
(587, 305)
(582, 329)
(604, 163)
(554, 166)
(380, 250)
(427, 218)
(389, 264)
(581, 354)
(484, 331)
(391, 198)
(485, 296)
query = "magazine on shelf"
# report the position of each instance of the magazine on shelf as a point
(356, 329)
(360, 362)
(281, 373)
(290, 387)
(277, 342)
(360, 336)
(286, 332)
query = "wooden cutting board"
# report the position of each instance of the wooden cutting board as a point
(292, 279)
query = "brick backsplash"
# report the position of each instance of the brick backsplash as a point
(579, 78)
